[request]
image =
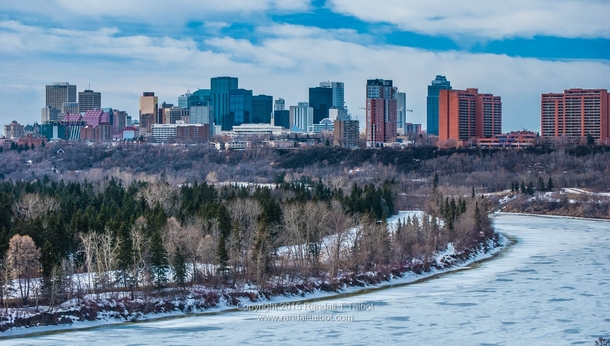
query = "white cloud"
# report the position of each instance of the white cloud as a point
(152, 12)
(283, 65)
(20, 39)
(486, 19)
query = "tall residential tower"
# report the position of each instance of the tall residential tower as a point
(465, 115)
(576, 114)
(380, 112)
(438, 84)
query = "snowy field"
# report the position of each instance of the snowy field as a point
(551, 288)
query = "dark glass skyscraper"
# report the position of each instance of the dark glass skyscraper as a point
(281, 118)
(320, 99)
(201, 95)
(434, 89)
(240, 108)
(219, 93)
(262, 107)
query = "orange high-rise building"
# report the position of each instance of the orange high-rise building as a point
(576, 114)
(465, 115)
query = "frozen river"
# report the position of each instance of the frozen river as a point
(551, 288)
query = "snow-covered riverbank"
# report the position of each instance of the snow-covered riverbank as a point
(95, 311)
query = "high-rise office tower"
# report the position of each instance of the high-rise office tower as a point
(262, 107)
(240, 108)
(201, 112)
(438, 84)
(58, 93)
(120, 120)
(201, 95)
(301, 116)
(401, 116)
(279, 105)
(183, 100)
(163, 113)
(465, 115)
(89, 100)
(69, 107)
(149, 103)
(281, 118)
(321, 100)
(576, 114)
(338, 89)
(380, 112)
(219, 93)
(49, 114)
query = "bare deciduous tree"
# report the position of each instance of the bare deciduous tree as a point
(212, 177)
(89, 243)
(161, 193)
(23, 261)
(246, 213)
(141, 245)
(31, 205)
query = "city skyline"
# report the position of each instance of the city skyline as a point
(121, 52)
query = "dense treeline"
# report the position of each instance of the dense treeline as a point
(150, 234)
(489, 170)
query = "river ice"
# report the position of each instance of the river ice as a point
(551, 288)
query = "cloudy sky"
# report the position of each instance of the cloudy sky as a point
(517, 49)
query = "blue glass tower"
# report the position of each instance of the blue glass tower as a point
(262, 107)
(240, 108)
(219, 93)
(320, 99)
(432, 103)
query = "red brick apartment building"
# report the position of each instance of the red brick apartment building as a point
(576, 114)
(465, 115)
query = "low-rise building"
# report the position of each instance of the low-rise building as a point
(14, 130)
(513, 139)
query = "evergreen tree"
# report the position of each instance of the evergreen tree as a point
(158, 260)
(179, 268)
(47, 261)
(523, 190)
(125, 253)
(590, 139)
(541, 184)
(224, 220)
(530, 188)
(478, 223)
(222, 256)
(549, 184)
(473, 195)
